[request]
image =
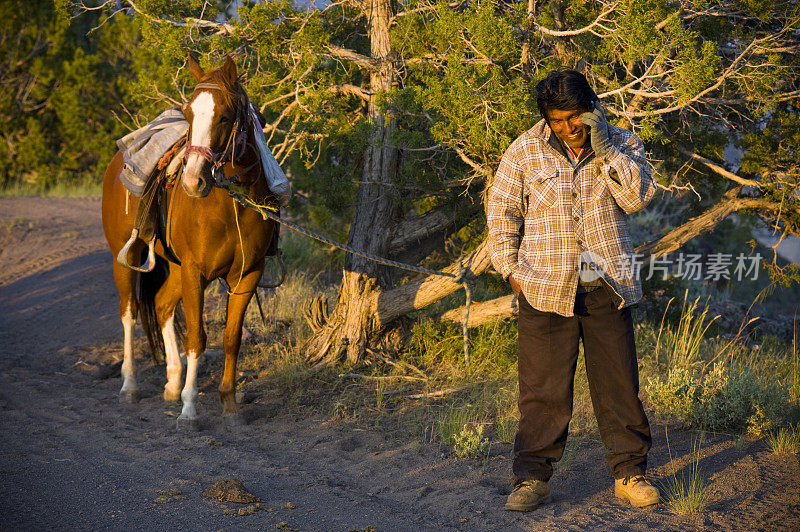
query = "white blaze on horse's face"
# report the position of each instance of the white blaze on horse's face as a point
(203, 111)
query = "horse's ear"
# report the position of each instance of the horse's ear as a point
(195, 69)
(229, 69)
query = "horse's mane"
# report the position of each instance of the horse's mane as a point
(231, 86)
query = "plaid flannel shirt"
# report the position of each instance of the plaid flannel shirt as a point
(543, 214)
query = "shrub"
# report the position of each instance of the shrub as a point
(470, 443)
(674, 396)
(728, 398)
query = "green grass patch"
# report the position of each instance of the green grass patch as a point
(785, 441)
(62, 185)
(686, 493)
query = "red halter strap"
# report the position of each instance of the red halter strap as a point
(204, 152)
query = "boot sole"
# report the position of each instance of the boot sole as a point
(635, 503)
(528, 507)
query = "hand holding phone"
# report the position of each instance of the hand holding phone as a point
(596, 121)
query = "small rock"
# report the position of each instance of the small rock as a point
(290, 506)
(171, 492)
(231, 490)
(248, 510)
(214, 443)
(423, 491)
(228, 511)
(171, 497)
(283, 525)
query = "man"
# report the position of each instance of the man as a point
(557, 230)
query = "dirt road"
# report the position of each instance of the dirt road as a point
(72, 458)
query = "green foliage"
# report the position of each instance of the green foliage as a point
(57, 128)
(728, 398)
(435, 344)
(470, 443)
(462, 428)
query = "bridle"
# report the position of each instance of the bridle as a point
(237, 140)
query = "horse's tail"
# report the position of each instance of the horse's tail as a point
(149, 283)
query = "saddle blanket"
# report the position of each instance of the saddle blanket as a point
(143, 149)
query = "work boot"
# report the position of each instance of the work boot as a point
(637, 490)
(528, 495)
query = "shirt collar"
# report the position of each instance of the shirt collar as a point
(558, 145)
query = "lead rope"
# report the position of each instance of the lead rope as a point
(270, 212)
(241, 246)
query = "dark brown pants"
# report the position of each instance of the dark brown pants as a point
(548, 353)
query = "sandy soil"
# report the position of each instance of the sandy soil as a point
(71, 457)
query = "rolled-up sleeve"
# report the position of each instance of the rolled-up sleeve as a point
(505, 212)
(629, 177)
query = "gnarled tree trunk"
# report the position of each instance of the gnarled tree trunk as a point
(354, 319)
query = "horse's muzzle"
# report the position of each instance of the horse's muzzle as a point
(201, 190)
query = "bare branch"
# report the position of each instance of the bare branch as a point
(479, 313)
(415, 295)
(586, 29)
(371, 64)
(346, 88)
(720, 170)
(480, 169)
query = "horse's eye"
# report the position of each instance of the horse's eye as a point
(224, 119)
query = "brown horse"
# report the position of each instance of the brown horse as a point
(211, 234)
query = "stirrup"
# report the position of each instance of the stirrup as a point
(122, 256)
(267, 283)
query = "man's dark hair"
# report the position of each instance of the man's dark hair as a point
(566, 90)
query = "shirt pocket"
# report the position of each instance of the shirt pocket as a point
(543, 188)
(599, 189)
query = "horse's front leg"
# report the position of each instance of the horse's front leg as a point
(193, 284)
(232, 339)
(167, 299)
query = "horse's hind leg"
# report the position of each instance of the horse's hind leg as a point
(125, 280)
(232, 339)
(166, 300)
